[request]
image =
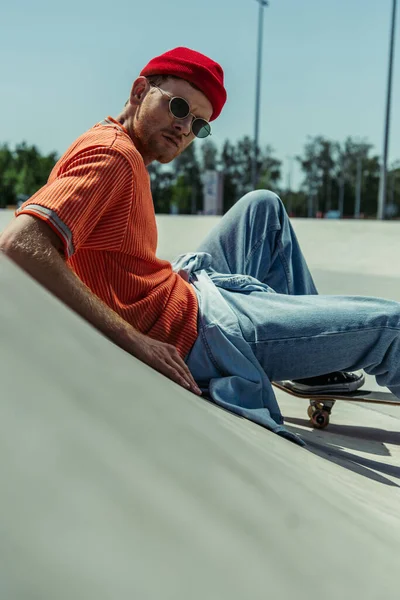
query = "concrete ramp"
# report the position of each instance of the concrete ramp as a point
(116, 483)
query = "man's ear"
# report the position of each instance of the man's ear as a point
(139, 89)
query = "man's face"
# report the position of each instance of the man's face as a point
(157, 134)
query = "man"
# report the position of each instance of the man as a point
(229, 319)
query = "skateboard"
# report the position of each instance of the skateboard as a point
(321, 405)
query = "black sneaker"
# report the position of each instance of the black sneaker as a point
(341, 382)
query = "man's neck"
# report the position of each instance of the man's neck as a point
(124, 121)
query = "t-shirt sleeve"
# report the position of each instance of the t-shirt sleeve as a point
(90, 187)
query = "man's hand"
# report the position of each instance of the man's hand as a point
(165, 359)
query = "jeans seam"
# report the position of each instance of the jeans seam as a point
(260, 241)
(253, 249)
(209, 352)
(308, 337)
(201, 332)
(284, 262)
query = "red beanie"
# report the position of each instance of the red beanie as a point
(192, 66)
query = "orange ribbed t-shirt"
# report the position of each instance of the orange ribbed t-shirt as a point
(98, 200)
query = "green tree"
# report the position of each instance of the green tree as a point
(352, 154)
(269, 170)
(331, 174)
(33, 168)
(295, 203)
(182, 195)
(209, 155)
(8, 176)
(393, 186)
(229, 167)
(161, 181)
(22, 171)
(236, 162)
(188, 195)
(244, 162)
(318, 164)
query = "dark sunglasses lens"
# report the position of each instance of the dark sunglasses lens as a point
(201, 128)
(179, 108)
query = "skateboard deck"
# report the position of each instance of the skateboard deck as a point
(321, 404)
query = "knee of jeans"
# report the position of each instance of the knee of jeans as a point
(382, 312)
(392, 314)
(265, 200)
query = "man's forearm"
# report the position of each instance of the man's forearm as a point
(47, 266)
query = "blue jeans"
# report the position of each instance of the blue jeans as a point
(293, 332)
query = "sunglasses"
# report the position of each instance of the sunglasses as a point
(180, 109)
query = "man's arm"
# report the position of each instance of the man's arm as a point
(38, 250)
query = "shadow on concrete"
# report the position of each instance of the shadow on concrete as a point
(352, 437)
(333, 450)
(334, 444)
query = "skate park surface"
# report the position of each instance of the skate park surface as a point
(117, 483)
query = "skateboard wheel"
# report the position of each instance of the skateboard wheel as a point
(320, 419)
(310, 411)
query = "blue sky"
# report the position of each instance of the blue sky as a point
(67, 65)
